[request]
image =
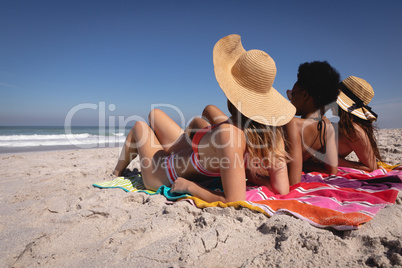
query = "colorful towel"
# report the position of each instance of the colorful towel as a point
(135, 184)
(342, 202)
(390, 167)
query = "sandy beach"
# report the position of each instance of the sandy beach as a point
(52, 216)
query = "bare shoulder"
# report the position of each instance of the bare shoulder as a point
(294, 124)
(302, 126)
(360, 133)
(293, 130)
(327, 121)
(229, 134)
(329, 125)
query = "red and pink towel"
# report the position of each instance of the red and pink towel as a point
(342, 202)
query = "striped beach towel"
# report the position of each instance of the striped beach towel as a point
(135, 184)
(343, 202)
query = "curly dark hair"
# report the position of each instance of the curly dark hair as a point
(320, 80)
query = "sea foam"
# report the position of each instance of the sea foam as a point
(84, 140)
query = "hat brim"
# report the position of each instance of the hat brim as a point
(347, 105)
(268, 108)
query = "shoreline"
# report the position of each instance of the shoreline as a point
(34, 149)
(389, 145)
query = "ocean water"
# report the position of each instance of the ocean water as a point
(24, 139)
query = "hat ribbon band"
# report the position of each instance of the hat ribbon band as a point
(358, 102)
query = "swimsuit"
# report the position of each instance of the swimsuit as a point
(170, 170)
(322, 130)
(321, 125)
(195, 160)
(169, 161)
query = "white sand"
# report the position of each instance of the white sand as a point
(52, 216)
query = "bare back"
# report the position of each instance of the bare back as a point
(311, 147)
(360, 144)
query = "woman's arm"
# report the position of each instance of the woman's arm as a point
(295, 151)
(363, 150)
(229, 144)
(279, 179)
(352, 164)
(182, 185)
(331, 151)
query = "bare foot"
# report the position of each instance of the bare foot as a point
(116, 173)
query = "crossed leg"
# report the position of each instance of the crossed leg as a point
(169, 135)
(142, 141)
(214, 115)
(128, 153)
(152, 156)
(166, 134)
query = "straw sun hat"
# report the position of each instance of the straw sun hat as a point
(246, 78)
(354, 96)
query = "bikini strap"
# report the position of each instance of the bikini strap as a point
(322, 125)
(199, 134)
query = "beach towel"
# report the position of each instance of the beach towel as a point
(135, 184)
(389, 167)
(343, 202)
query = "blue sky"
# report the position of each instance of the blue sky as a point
(128, 55)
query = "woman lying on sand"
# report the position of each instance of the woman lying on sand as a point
(311, 138)
(250, 139)
(356, 130)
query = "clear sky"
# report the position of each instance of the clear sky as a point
(57, 57)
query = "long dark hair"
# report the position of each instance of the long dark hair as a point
(346, 127)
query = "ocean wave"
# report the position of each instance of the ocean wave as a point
(44, 137)
(79, 140)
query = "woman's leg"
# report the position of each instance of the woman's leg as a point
(152, 156)
(170, 135)
(196, 124)
(128, 153)
(214, 114)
